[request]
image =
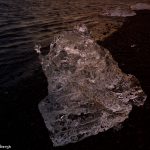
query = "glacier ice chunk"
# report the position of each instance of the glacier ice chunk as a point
(87, 91)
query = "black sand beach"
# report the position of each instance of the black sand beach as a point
(23, 126)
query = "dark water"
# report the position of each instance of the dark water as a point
(23, 23)
(27, 22)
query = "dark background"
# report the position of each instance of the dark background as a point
(22, 126)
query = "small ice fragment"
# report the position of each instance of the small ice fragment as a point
(133, 45)
(140, 6)
(37, 48)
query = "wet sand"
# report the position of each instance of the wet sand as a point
(24, 128)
